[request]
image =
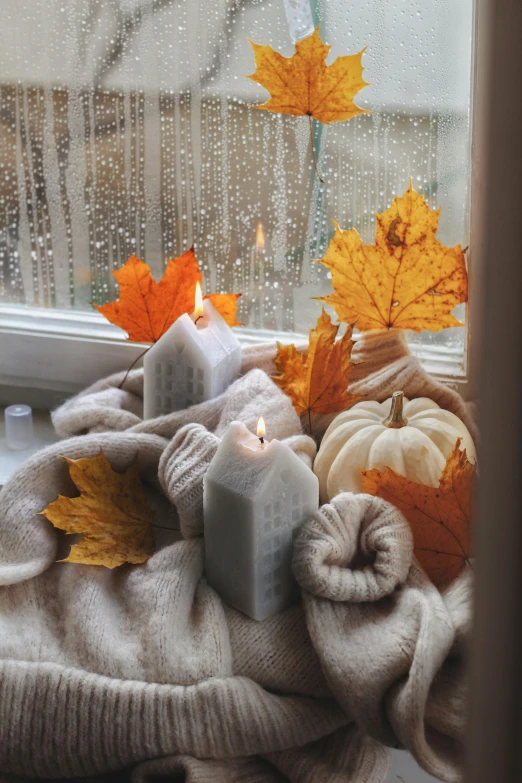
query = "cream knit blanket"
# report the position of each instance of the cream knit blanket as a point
(145, 667)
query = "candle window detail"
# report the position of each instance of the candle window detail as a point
(257, 495)
(195, 360)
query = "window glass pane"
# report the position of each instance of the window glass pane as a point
(126, 127)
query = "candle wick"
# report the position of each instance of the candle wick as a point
(262, 440)
(197, 319)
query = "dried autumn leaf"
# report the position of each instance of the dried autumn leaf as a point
(289, 363)
(304, 84)
(406, 280)
(146, 309)
(440, 517)
(111, 512)
(226, 305)
(316, 381)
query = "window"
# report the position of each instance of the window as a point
(126, 127)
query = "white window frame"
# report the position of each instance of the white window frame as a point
(47, 355)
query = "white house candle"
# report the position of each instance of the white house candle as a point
(257, 494)
(195, 360)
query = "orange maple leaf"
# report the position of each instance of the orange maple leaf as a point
(440, 517)
(304, 84)
(316, 380)
(146, 309)
(226, 305)
(406, 280)
(111, 512)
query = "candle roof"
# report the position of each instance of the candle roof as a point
(254, 472)
(214, 344)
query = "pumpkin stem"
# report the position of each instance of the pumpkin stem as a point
(395, 420)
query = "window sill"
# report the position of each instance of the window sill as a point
(48, 355)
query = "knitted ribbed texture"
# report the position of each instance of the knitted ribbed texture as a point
(354, 525)
(347, 754)
(145, 667)
(69, 722)
(290, 664)
(191, 770)
(181, 469)
(394, 672)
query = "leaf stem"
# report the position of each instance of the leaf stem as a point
(132, 365)
(163, 527)
(312, 143)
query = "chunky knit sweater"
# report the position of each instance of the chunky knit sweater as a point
(146, 668)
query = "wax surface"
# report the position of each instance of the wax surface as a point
(191, 363)
(256, 498)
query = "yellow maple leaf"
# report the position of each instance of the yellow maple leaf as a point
(304, 84)
(317, 380)
(407, 279)
(111, 512)
(440, 517)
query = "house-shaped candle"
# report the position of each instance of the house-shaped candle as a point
(257, 495)
(195, 360)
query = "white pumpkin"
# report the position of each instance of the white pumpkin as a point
(414, 438)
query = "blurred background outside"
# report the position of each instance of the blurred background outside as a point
(126, 127)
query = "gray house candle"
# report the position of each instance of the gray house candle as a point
(257, 494)
(195, 360)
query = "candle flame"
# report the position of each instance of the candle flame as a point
(198, 306)
(260, 237)
(261, 429)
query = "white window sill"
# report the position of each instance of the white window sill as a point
(47, 355)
